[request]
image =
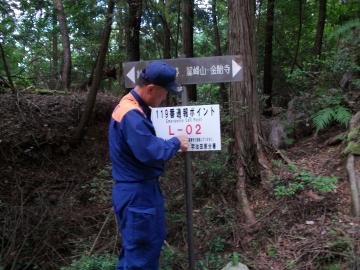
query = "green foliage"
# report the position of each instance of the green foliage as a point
(171, 259)
(289, 190)
(304, 180)
(333, 266)
(99, 188)
(216, 244)
(93, 262)
(272, 251)
(211, 261)
(324, 117)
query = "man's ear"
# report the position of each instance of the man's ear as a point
(151, 87)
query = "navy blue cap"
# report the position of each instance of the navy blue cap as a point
(161, 74)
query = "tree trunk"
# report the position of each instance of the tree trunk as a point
(98, 73)
(298, 35)
(177, 30)
(268, 55)
(167, 33)
(133, 31)
(66, 70)
(223, 91)
(252, 163)
(7, 71)
(320, 27)
(54, 54)
(188, 36)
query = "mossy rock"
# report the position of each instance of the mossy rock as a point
(353, 134)
(352, 148)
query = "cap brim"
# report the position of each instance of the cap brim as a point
(174, 88)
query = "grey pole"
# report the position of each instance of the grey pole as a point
(188, 197)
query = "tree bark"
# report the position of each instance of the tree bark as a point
(54, 54)
(223, 91)
(188, 37)
(267, 83)
(167, 33)
(66, 69)
(80, 131)
(133, 31)
(298, 35)
(177, 30)
(7, 71)
(251, 160)
(320, 27)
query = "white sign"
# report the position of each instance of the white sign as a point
(200, 123)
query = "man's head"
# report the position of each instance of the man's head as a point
(155, 81)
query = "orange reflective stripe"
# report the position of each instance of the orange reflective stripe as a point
(126, 104)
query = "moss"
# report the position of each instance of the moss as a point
(352, 148)
(353, 134)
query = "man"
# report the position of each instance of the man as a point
(138, 158)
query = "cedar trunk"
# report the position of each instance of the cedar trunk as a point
(133, 31)
(267, 83)
(250, 160)
(54, 54)
(320, 27)
(188, 33)
(66, 70)
(223, 92)
(298, 35)
(7, 71)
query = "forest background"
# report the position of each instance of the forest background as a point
(282, 194)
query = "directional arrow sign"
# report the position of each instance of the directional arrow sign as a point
(198, 70)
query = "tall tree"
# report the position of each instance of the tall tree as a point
(268, 80)
(80, 130)
(54, 58)
(133, 31)
(188, 38)
(66, 70)
(166, 29)
(251, 161)
(320, 27)
(298, 35)
(6, 68)
(222, 88)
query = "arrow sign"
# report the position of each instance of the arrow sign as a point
(131, 75)
(235, 68)
(216, 69)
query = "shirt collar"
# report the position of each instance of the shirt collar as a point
(143, 105)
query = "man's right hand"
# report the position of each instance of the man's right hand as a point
(184, 142)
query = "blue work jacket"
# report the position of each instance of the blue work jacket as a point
(135, 151)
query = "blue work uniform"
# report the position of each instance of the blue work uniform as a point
(138, 158)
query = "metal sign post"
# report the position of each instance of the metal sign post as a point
(188, 198)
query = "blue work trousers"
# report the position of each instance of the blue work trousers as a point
(139, 210)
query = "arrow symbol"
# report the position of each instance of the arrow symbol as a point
(131, 74)
(235, 68)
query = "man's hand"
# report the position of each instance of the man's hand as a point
(184, 142)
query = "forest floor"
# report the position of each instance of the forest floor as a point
(55, 198)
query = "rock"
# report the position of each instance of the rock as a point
(345, 81)
(297, 119)
(277, 136)
(239, 266)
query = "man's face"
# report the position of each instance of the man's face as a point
(157, 95)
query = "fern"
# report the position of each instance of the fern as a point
(324, 117)
(342, 115)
